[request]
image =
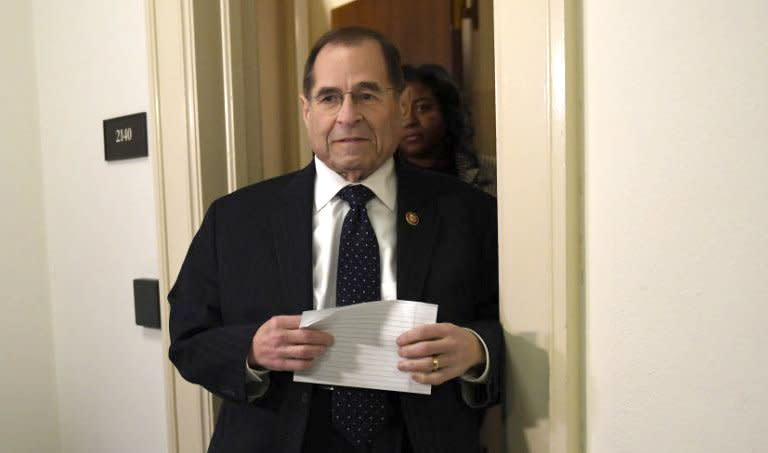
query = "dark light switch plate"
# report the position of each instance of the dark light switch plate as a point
(146, 301)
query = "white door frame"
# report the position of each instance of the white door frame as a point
(175, 159)
(539, 149)
(538, 118)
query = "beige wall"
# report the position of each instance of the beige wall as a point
(277, 95)
(320, 16)
(28, 407)
(99, 227)
(676, 106)
(480, 81)
(210, 100)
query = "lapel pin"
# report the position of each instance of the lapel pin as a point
(412, 218)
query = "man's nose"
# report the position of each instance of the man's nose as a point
(349, 112)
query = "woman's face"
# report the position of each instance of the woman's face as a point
(424, 125)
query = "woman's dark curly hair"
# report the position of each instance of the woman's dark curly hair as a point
(456, 113)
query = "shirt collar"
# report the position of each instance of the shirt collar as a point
(382, 182)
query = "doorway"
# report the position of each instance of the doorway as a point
(262, 56)
(201, 66)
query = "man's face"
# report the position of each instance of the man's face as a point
(353, 116)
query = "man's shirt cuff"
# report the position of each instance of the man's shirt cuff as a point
(256, 382)
(471, 375)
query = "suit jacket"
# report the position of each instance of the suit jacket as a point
(252, 259)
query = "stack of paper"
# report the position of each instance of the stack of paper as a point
(364, 353)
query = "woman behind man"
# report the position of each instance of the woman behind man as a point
(438, 131)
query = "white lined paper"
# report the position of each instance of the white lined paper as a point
(364, 353)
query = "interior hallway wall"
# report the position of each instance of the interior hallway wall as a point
(27, 390)
(480, 88)
(91, 60)
(676, 176)
(320, 16)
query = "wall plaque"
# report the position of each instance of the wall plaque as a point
(125, 137)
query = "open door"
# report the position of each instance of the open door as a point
(425, 31)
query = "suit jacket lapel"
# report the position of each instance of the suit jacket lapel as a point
(292, 229)
(414, 242)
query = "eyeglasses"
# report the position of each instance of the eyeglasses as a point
(329, 101)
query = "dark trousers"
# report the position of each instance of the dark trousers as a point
(322, 437)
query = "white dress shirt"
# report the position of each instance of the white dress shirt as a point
(327, 220)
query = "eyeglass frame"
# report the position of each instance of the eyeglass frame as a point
(360, 89)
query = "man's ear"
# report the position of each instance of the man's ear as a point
(305, 110)
(405, 102)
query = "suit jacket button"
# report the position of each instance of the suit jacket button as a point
(305, 397)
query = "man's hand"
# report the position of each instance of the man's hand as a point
(280, 345)
(455, 348)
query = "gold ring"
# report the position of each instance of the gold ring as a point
(435, 364)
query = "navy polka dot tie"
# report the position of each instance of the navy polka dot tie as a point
(359, 414)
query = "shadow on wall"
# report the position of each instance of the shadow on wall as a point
(527, 401)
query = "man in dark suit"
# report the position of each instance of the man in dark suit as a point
(269, 251)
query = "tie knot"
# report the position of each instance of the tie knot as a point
(356, 195)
